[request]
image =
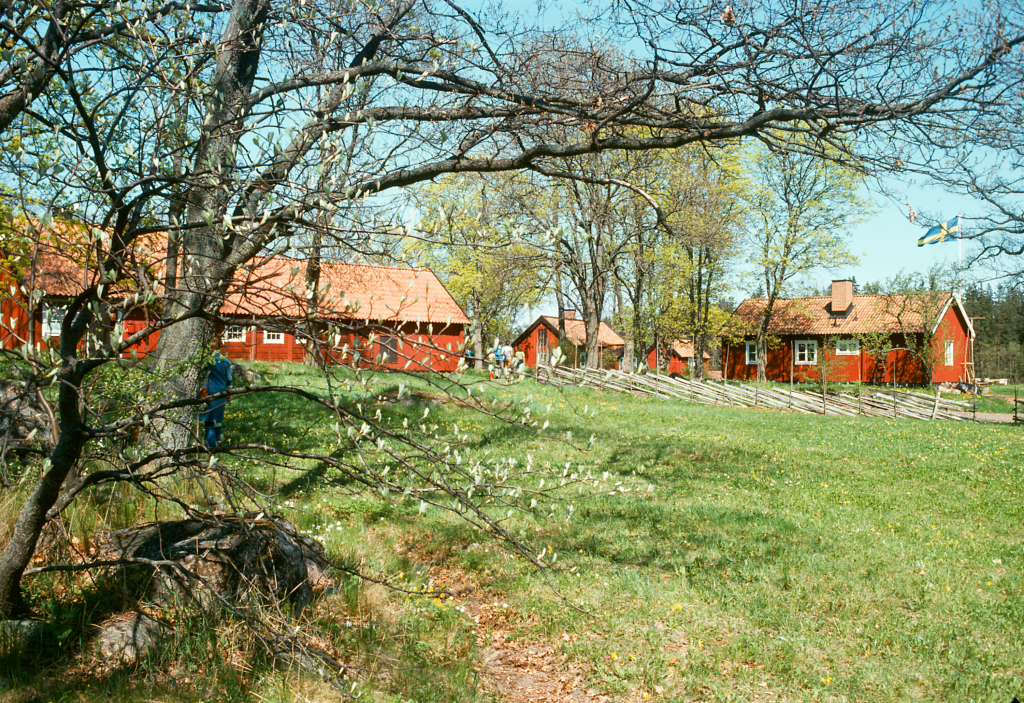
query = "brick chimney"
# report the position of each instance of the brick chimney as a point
(570, 314)
(842, 296)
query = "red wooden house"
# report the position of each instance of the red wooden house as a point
(371, 315)
(871, 338)
(541, 338)
(397, 318)
(62, 266)
(679, 355)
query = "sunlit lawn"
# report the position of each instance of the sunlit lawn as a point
(778, 556)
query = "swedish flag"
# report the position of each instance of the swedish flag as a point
(947, 230)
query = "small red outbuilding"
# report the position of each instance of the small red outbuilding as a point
(541, 338)
(679, 355)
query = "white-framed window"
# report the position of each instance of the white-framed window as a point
(53, 318)
(542, 342)
(806, 352)
(949, 352)
(752, 352)
(233, 333)
(273, 337)
(848, 347)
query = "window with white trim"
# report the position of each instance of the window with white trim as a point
(542, 344)
(848, 347)
(53, 318)
(233, 333)
(273, 337)
(949, 352)
(751, 352)
(806, 352)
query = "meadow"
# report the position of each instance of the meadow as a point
(727, 555)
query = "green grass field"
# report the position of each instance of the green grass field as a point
(776, 557)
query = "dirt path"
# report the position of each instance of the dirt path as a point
(520, 671)
(516, 668)
(1005, 418)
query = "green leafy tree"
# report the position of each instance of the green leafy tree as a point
(487, 263)
(703, 214)
(800, 209)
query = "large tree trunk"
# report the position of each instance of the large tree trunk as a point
(478, 333)
(204, 252)
(592, 321)
(762, 336)
(33, 515)
(593, 297)
(560, 301)
(762, 356)
(697, 372)
(63, 462)
(628, 351)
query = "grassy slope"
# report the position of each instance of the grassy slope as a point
(804, 556)
(779, 556)
(871, 558)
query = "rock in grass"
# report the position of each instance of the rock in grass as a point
(244, 376)
(129, 636)
(229, 561)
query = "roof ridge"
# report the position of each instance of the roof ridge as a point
(323, 262)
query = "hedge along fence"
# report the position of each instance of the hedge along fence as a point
(878, 403)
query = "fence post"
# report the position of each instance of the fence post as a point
(792, 359)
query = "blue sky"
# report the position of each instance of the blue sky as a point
(886, 243)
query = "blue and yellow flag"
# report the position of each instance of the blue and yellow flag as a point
(947, 230)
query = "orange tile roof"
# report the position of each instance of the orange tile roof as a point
(683, 348)
(66, 266)
(576, 331)
(277, 287)
(869, 314)
(66, 261)
(66, 256)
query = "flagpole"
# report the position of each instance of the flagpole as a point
(959, 252)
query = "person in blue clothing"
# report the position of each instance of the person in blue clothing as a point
(499, 360)
(218, 380)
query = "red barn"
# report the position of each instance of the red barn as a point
(871, 338)
(680, 356)
(541, 338)
(371, 315)
(381, 316)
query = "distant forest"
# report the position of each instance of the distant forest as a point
(998, 317)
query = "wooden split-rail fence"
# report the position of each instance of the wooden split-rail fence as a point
(876, 403)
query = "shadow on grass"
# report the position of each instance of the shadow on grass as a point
(65, 680)
(69, 666)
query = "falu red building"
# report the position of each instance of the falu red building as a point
(676, 357)
(396, 318)
(871, 338)
(541, 338)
